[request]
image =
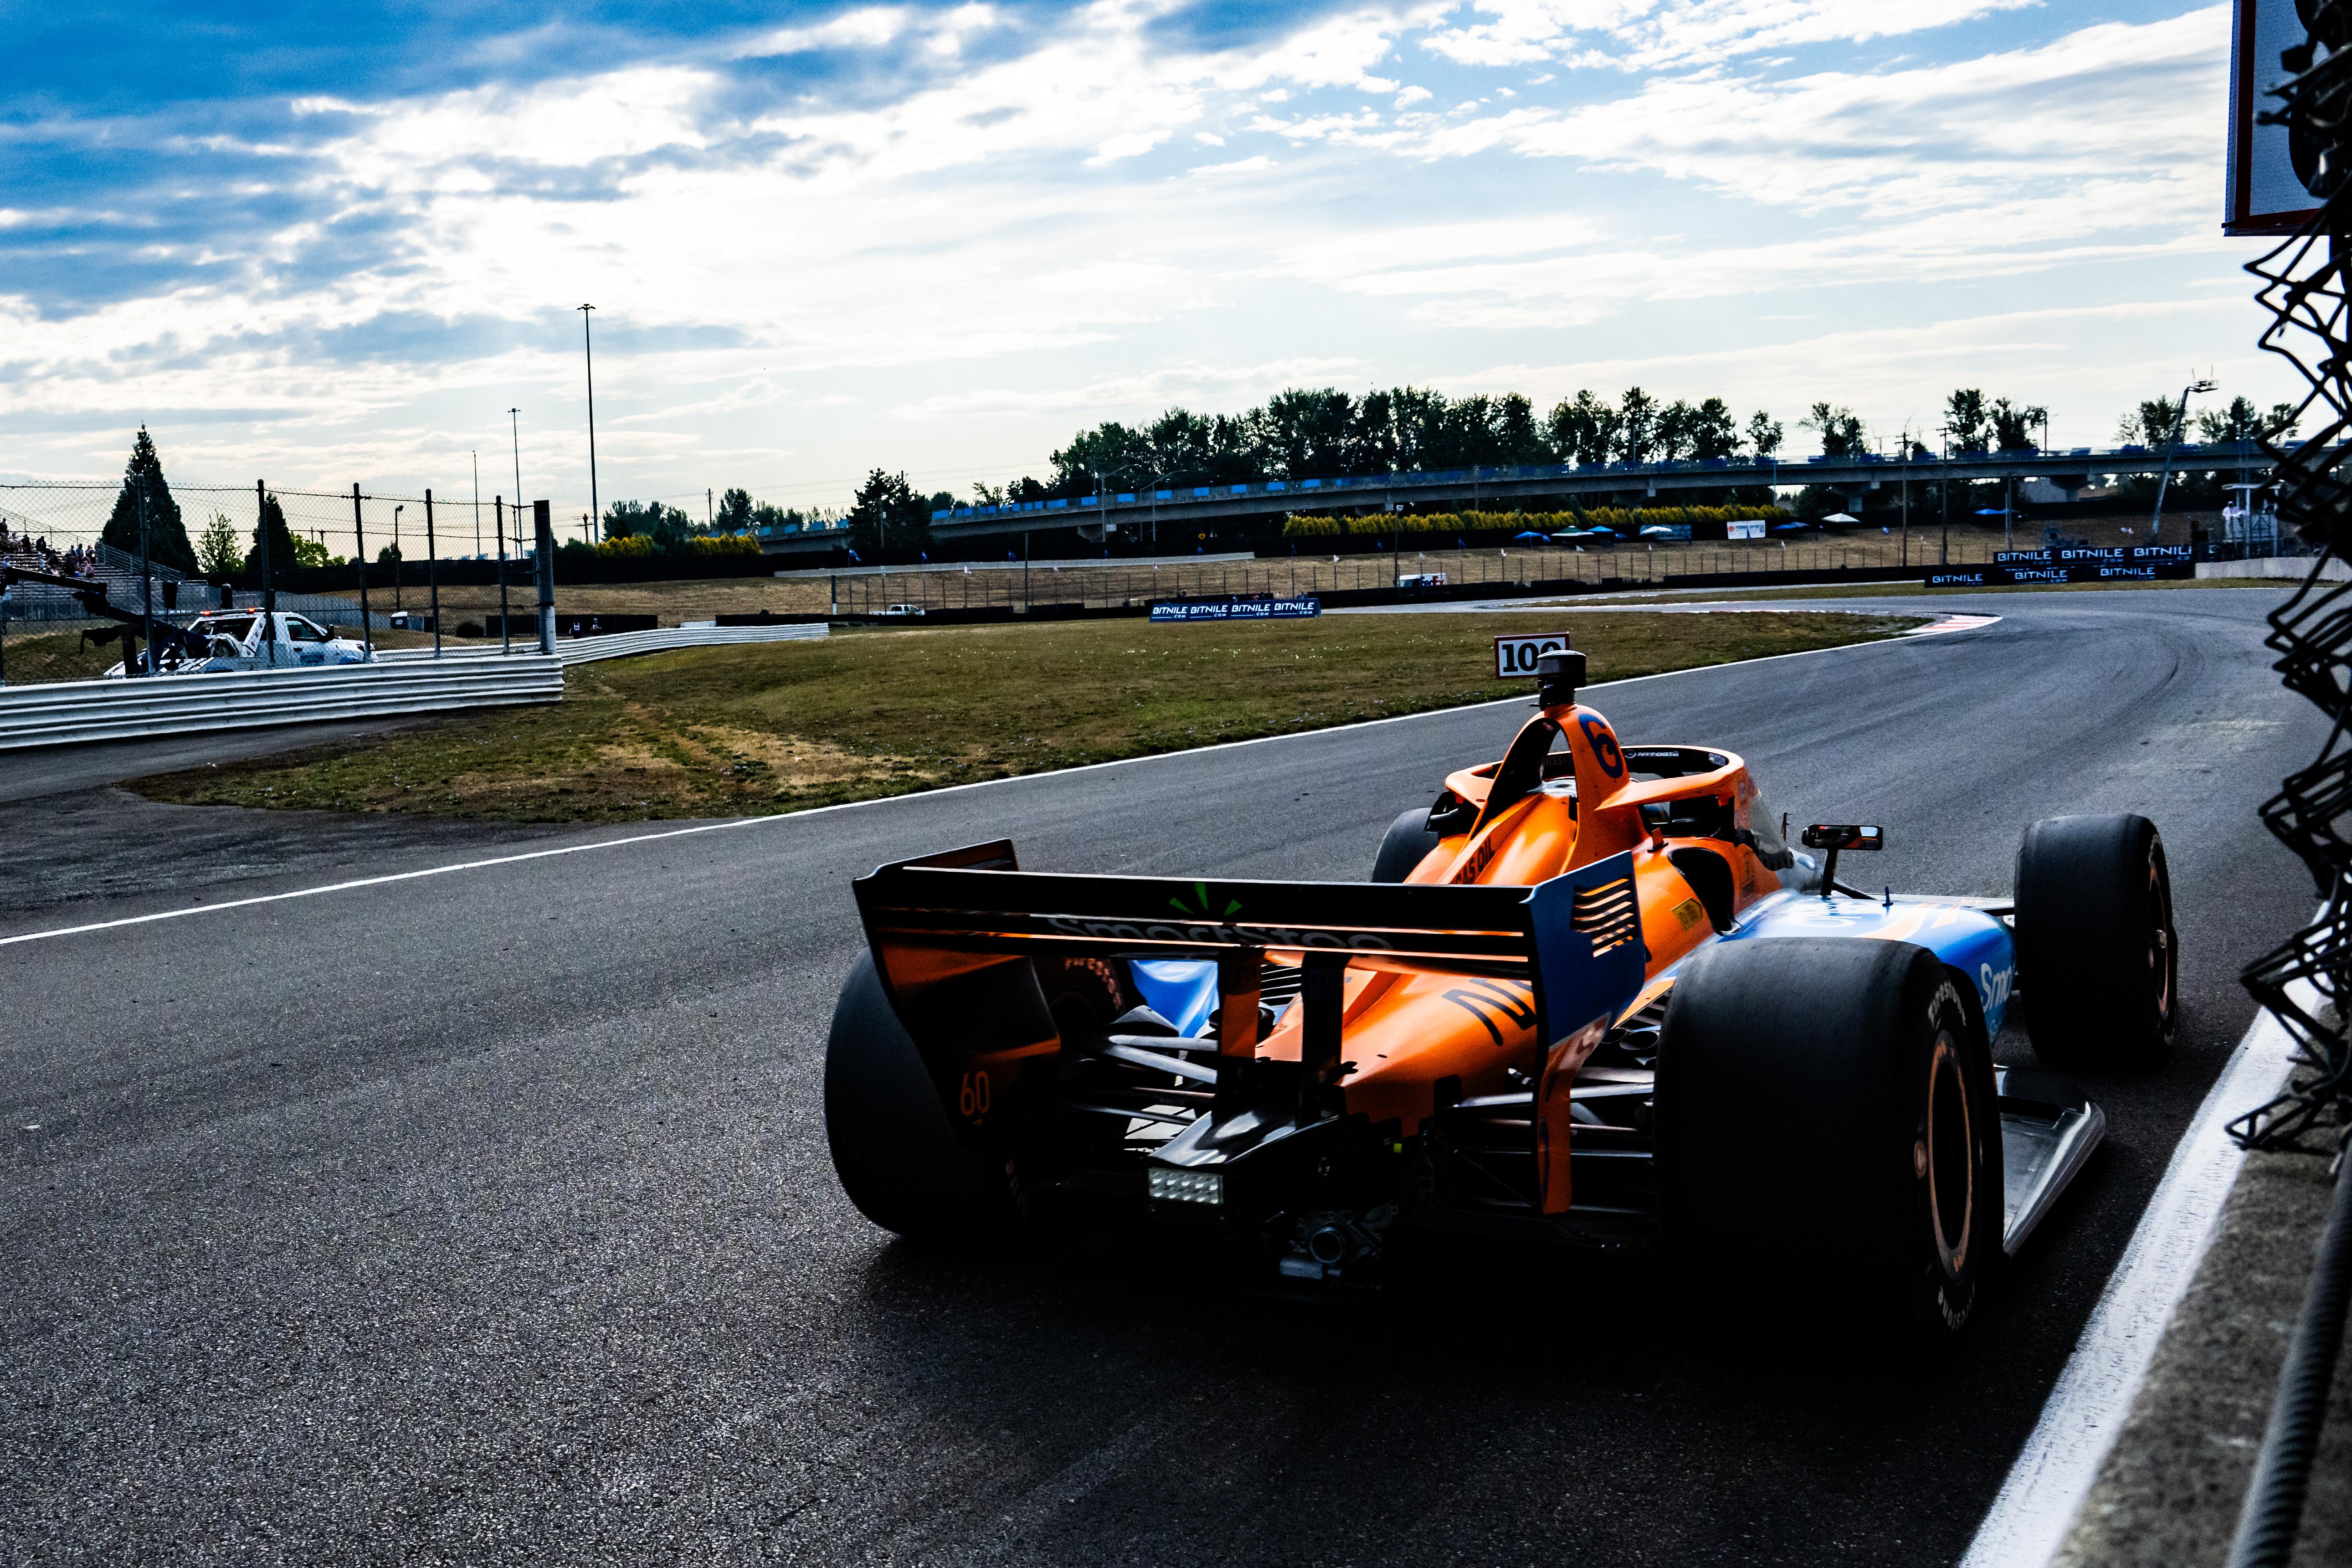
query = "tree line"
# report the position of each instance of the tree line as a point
(1301, 433)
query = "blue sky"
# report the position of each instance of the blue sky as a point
(327, 245)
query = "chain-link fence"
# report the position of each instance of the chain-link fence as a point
(174, 552)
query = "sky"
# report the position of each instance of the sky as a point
(322, 245)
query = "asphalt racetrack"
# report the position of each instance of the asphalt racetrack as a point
(486, 1217)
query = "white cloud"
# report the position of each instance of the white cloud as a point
(1012, 238)
(1240, 166)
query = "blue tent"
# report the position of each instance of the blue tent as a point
(1536, 537)
(1788, 528)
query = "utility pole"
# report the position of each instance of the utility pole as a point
(2172, 440)
(709, 517)
(358, 546)
(514, 427)
(477, 504)
(588, 353)
(398, 563)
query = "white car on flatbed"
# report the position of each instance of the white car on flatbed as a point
(252, 640)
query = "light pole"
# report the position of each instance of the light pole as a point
(514, 428)
(477, 504)
(2172, 439)
(396, 562)
(588, 359)
(1944, 495)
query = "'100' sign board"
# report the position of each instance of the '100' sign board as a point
(1518, 655)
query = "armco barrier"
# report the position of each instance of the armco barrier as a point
(614, 645)
(66, 712)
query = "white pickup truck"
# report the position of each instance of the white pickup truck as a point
(250, 639)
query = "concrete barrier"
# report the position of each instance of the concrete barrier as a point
(2294, 568)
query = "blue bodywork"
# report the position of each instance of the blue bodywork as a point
(1181, 990)
(1970, 942)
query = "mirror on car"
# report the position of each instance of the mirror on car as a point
(1843, 836)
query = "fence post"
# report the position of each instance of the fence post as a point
(146, 589)
(506, 628)
(431, 574)
(543, 543)
(269, 581)
(359, 545)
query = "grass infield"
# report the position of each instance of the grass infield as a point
(779, 727)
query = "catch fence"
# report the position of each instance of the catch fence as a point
(171, 557)
(1109, 585)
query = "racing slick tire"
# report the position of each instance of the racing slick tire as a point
(1828, 1143)
(897, 1158)
(1407, 843)
(2098, 961)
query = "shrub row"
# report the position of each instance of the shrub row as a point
(639, 545)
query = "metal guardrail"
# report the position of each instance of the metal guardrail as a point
(570, 651)
(66, 712)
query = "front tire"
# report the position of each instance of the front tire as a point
(1828, 1144)
(2097, 957)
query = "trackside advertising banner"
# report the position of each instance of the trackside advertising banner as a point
(1236, 609)
(2075, 563)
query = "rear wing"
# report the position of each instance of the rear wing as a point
(934, 921)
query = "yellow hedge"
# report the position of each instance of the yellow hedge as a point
(639, 544)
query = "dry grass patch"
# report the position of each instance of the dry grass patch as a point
(784, 726)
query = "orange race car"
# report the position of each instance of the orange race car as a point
(1588, 998)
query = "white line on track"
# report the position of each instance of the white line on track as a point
(1948, 624)
(2037, 1504)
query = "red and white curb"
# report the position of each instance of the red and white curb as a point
(1951, 624)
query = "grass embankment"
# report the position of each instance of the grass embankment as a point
(784, 726)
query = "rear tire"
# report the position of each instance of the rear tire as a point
(898, 1157)
(1828, 1147)
(2097, 958)
(1406, 846)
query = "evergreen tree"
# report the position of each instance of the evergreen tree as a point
(217, 547)
(734, 512)
(167, 536)
(889, 522)
(281, 539)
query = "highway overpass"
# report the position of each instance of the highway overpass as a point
(1145, 513)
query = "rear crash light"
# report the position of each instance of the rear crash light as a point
(1187, 1186)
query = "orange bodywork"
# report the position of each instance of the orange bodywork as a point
(1405, 1031)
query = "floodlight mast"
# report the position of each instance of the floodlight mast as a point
(2172, 440)
(588, 360)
